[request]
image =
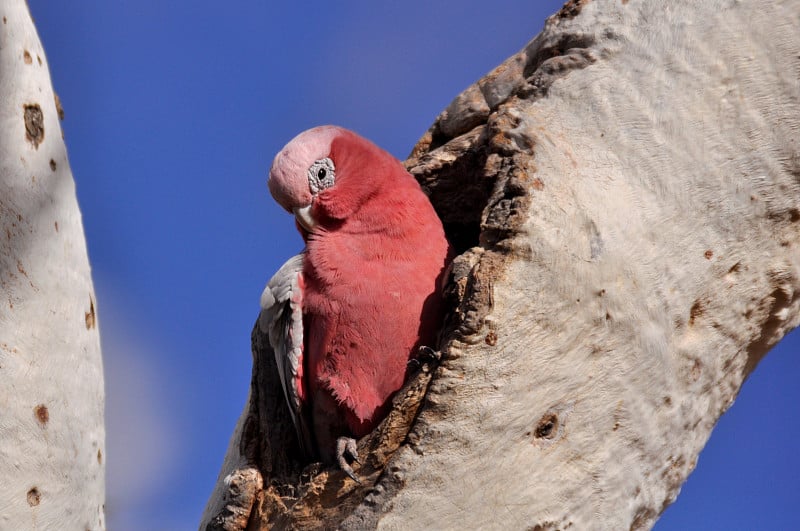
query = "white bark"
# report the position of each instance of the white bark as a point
(634, 174)
(52, 453)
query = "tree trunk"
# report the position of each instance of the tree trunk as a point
(624, 194)
(52, 439)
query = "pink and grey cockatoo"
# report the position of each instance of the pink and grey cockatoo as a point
(346, 315)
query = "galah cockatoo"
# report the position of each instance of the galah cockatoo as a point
(346, 315)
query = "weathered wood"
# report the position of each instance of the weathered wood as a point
(625, 196)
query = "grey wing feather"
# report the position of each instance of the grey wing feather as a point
(281, 319)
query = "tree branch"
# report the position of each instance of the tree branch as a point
(52, 439)
(624, 194)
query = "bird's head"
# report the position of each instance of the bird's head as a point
(325, 174)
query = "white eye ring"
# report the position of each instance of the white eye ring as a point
(321, 175)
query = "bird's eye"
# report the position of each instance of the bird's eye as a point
(321, 175)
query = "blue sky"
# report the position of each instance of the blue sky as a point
(174, 111)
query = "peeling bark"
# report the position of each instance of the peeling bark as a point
(52, 439)
(624, 195)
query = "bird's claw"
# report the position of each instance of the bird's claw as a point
(425, 356)
(428, 354)
(346, 446)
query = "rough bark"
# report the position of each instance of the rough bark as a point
(52, 453)
(624, 194)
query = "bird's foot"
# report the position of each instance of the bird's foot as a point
(429, 355)
(425, 355)
(346, 446)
